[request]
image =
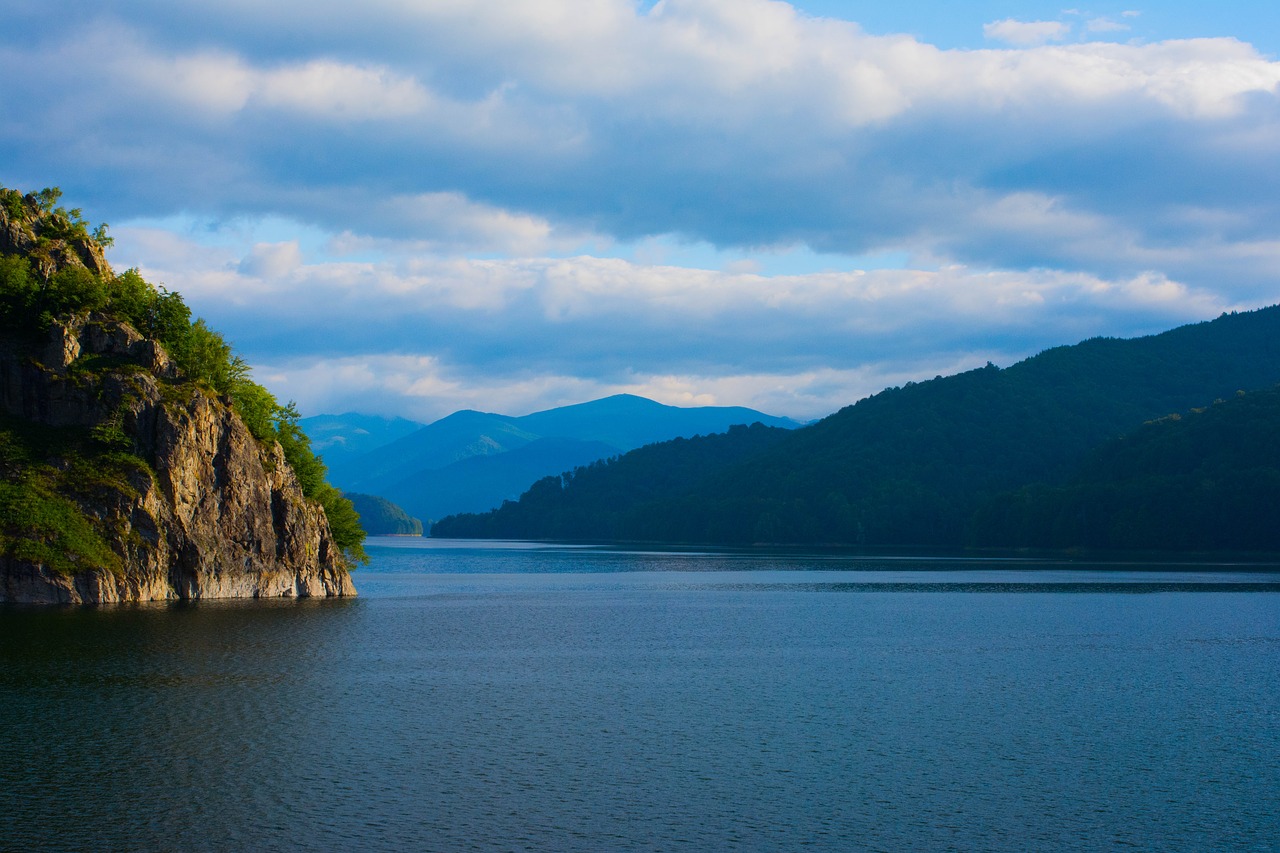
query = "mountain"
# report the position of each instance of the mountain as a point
(461, 435)
(626, 421)
(142, 467)
(380, 517)
(611, 499)
(478, 483)
(1204, 480)
(341, 437)
(911, 466)
(473, 460)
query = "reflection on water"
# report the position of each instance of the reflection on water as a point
(414, 566)
(498, 698)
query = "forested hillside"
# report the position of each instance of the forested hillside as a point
(911, 466)
(614, 499)
(380, 517)
(1205, 480)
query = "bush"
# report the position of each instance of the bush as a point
(344, 522)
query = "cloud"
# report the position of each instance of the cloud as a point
(271, 260)
(435, 329)
(1026, 33)
(426, 390)
(483, 185)
(449, 220)
(736, 123)
(1105, 25)
(332, 89)
(222, 82)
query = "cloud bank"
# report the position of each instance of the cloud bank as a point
(470, 184)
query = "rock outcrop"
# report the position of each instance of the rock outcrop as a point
(45, 238)
(213, 512)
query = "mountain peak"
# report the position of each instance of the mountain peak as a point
(422, 470)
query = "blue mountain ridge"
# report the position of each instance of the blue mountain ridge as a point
(337, 437)
(479, 483)
(471, 461)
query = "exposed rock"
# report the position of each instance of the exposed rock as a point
(25, 232)
(218, 515)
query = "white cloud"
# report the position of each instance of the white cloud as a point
(222, 83)
(272, 260)
(587, 289)
(468, 166)
(427, 333)
(1105, 25)
(419, 387)
(334, 90)
(450, 221)
(1026, 33)
(426, 389)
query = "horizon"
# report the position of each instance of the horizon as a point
(412, 211)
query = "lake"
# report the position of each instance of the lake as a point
(505, 696)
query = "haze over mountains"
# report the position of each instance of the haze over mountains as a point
(472, 461)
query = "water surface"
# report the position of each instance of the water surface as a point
(514, 697)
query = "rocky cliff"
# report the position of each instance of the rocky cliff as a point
(213, 513)
(122, 478)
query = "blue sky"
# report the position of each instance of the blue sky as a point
(414, 206)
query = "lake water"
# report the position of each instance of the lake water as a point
(513, 697)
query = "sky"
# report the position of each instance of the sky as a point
(410, 207)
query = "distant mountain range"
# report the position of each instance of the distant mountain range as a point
(1054, 451)
(339, 438)
(472, 461)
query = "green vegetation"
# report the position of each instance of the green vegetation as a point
(927, 464)
(42, 469)
(620, 498)
(381, 517)
(55, 223)
(31, 298)
(1208, 479)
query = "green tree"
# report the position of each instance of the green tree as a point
(168, 319)
(308, 467)
(204, 354)
(19, 290)
(256, 405)
(73, 289)
(133, 298)
(344, 523)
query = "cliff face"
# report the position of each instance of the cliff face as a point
(217, 515)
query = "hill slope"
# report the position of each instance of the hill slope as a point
(1205, 480)
(910, 466)
(340, 438)
(614, 499)
(458, 436)
(380, 517)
